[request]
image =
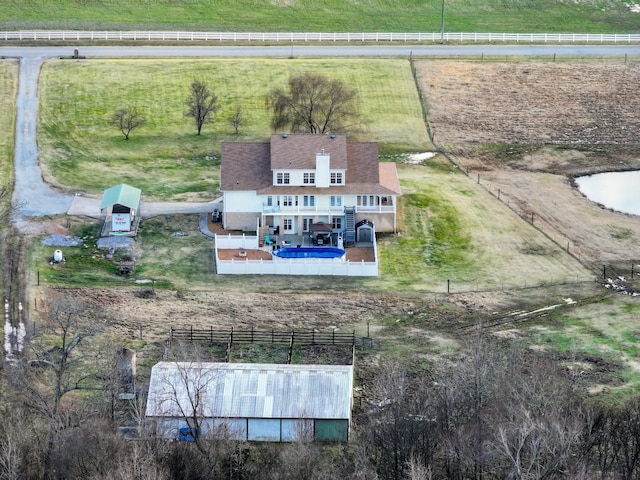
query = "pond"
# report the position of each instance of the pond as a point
(615, 190)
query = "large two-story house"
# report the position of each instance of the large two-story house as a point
(299, 179)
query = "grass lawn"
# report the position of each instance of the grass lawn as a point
(602, 329)
(8, 89)
(165, 158)
(451, 229)
(328, 16)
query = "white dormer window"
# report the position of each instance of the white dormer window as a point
(336, 178)
(309, 178)
(282, 178)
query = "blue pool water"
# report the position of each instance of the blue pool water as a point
(309, 252)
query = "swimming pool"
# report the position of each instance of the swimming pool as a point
(309, 252)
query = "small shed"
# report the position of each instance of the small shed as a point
(364, 231)
(253, 402)
(119, 206)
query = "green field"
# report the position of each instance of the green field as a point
(597, 16)
(8, 88)
(165, 158)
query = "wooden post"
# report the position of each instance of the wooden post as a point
(448, 285)
(532, 218)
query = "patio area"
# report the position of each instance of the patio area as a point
(354, 254)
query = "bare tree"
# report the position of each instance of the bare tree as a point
(313, 104)
(184, 391)
(61, 362)
(236, 119)
(127, 119)
(201, 103)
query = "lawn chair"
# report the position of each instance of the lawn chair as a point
(268, 241)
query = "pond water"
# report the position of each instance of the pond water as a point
(616, 190)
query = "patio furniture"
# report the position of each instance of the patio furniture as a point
(268, 241)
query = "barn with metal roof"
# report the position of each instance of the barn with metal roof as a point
(255, 402)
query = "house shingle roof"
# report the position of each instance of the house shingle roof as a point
(245, 166)
(299, 151)
(248, 165)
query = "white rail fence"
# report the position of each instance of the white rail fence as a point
(277, 37)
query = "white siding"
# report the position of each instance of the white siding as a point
(322, 170)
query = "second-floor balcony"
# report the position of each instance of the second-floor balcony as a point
(323, 210)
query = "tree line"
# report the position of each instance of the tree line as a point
(311, 103)
(494, 410)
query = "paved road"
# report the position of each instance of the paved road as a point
(36, 198)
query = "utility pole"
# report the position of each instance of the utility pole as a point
(442, 24)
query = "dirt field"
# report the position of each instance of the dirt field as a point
(528, 128)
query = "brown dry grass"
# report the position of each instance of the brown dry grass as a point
(526, 129)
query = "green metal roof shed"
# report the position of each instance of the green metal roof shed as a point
(122, 194)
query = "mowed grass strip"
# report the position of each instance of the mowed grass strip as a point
(451, 229)
(80, 150)
(326, 16)
(8, 89)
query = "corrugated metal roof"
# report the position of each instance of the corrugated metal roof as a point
(245, 390)
(122, 194)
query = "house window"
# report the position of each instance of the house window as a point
(287, 201)
(336, 223)
(270, 201)
(309, 200)
(287, 224)
(336, 200)
(309, 178)
(306, 223)
(367, 200)
(282, 178)
(336, 178)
